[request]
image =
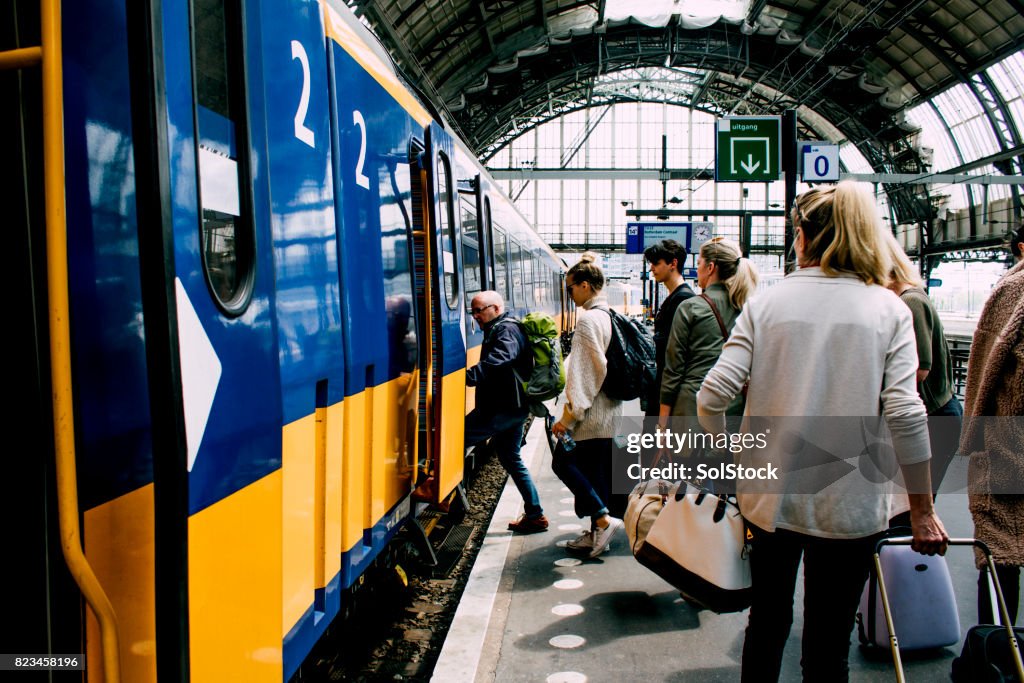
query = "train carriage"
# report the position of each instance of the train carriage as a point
(259, 332)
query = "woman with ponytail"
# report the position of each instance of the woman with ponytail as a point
(589, 417)
(829, 340)
(726, 280)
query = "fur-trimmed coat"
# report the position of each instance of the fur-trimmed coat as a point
(995, 387)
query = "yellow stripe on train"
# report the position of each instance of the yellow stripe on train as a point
(119, 543)
(352, 43)
(234, 577)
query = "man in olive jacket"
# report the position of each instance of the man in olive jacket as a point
(501, 407)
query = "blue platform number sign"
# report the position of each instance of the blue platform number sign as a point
(820, 162)
(690, 234)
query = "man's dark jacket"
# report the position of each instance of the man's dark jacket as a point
(505, 349)
(662, 330)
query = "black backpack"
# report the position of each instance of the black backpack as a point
(632, 367)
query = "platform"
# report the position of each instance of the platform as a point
(532, 612)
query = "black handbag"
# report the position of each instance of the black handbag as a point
(989, 656)
(986, 657)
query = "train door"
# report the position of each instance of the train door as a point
(373, 123)
(224, 295)
(442, 304)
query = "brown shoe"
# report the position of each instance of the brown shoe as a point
(525, 525)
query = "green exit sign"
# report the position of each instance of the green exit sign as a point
(747, 149)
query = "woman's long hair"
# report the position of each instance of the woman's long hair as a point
(903, 270)
(737, 273)
(843, 233)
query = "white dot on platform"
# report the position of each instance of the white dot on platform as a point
(567, 642)
(568, 584)
(567, 501)
(568, 562)
(562, 544)
(569, 527)
(566, 513)
(566, 677)
(565, 489)
(567, 610)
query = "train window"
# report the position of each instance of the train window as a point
(447, 229)
(528, 276)
(470, 247)
(485, 236)
(500, 264)
(517, 274)
(227, 237)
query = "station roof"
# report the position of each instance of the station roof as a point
(498, 67)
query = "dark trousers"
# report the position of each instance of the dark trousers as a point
(586, 470)
(1009, 581)
(834, 575)
(505, 431)
(944, 437)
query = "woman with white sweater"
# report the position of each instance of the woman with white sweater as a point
(589, 414)
(829, 340)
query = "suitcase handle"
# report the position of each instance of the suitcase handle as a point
(894, 644)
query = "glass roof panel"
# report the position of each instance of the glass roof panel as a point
(1009, 79)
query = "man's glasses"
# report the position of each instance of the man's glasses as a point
(478, 311)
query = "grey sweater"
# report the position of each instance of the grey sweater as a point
(816, 346)
(588, 413)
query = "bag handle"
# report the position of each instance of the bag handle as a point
(718, 316)
(907, 540)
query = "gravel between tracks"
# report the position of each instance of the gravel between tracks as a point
(401, 637)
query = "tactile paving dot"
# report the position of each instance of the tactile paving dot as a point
(566, 513)
(566, 677)
(567, 642)
(569, 527)
(568, 562)
(568, 584)
(567, 610)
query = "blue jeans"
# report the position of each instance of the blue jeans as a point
(506, 433)
(586, 471)
(944, 437)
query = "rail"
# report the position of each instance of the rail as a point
(49, 55)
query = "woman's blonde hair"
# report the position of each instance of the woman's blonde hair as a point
(587, 270)
(903, 270)
(842, 232)
(737, 273)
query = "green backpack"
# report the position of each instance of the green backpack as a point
(547, 379)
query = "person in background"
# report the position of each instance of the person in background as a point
(934, 364)
(995, 391)
(696, 339)
(590, 416)
(1016, 244)
(501, 407)
(666, 258)
(829, 340)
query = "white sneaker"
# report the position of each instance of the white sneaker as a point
(584, 542)
(603, 537)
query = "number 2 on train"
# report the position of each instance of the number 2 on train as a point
(301, 131)
(362, 180)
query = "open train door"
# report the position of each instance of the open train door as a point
(439, 289)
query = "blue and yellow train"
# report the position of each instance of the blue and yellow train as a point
(243, 253)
